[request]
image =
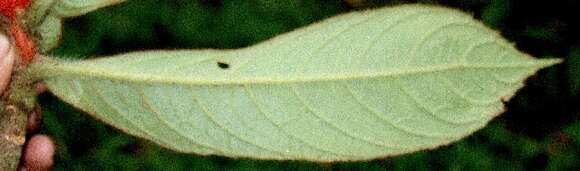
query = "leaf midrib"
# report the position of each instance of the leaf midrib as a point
(107, 74)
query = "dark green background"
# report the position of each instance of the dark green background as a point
(540, 130)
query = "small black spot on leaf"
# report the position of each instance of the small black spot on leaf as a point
(223, 65)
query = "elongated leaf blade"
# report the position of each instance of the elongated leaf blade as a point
(354, 87)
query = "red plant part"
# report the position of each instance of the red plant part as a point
(8, 8)
(25, 45)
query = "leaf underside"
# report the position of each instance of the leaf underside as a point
(354, 87)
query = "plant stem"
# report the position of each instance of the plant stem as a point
(12, 136)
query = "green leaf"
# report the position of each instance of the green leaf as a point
(354, 87)
(37, 12)
(45, 17)
(50, 32)
(72, 8)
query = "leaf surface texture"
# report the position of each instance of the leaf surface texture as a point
(353, 87)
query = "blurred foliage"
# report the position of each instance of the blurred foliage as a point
(539, 131)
